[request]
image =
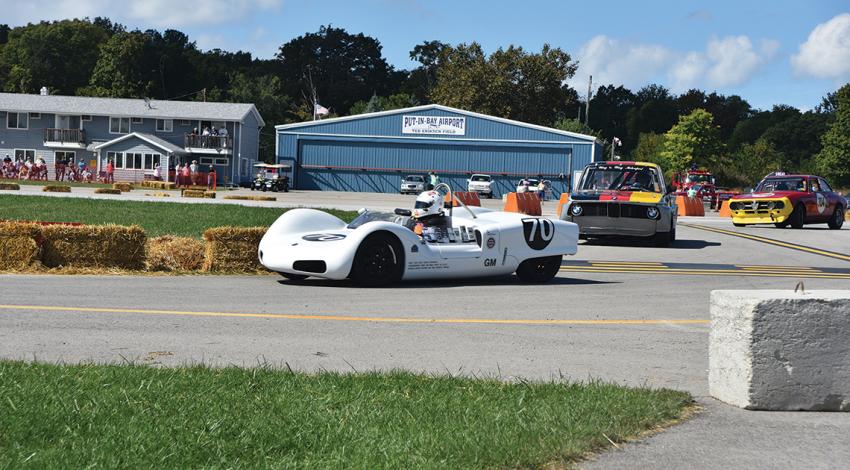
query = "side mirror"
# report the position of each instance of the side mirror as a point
(404, 212)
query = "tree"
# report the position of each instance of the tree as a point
(383, 103)
(344, 68)
(574, 125)
(421, 80)
(510, 83)
(833, 161)
(752, 161)
(693, 140)
(120, 70)
(266, 92)
(609, 111)
(648, 149)
(59, 55)
(654, 111)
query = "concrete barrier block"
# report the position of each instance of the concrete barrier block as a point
(780, 350)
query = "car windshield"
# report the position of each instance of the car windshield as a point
(621, 177)
(699, 179)
(369, 216)
(480, 178)
(414, 179)
(781, 184)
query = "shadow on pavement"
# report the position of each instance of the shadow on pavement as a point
(644, 243)
(442, 284)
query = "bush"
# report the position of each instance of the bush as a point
(56, 188)
(19, 245)
(94, 246)
(169, 253)
(107, 191)
(232, 248)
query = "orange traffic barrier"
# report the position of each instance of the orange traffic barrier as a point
(689, 206)
(562, 201)
(524, 203)
(724, 210)
(468, 198)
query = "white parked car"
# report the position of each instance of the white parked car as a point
(412, 184)
(480, 184)
(379, 248)
(531, 187)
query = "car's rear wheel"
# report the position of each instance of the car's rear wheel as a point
(379, 261)
(294, 277)
(798, 217)
(837, 219)
(538, 270)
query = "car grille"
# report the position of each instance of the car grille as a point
(609, 209)
(756, 207)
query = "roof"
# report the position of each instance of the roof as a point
(161, 109)
(441, 108)
(151, 139)
(619, 163)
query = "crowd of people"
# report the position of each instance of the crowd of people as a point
(209, 137)
(36, 169)
(190, 174)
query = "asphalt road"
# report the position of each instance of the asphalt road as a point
(635, 316)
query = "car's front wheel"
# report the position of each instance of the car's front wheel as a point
(538, 270)
(837, 219)
(379, 261)
(798, 217)
(663, 239)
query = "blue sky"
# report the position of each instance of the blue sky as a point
(769, 52)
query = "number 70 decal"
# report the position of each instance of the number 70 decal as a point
(538, 232)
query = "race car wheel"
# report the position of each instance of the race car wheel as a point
(379, 261)
(837, 219)
(538, 270)
(294, 277)
(663, 239)
(798, 217)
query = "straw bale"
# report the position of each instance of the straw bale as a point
(107, 191)
(10, 186)
(209, 194)
(20, 246)
(168, 253)
(250, 198)
(123, 187)
(95, 246)
(157, 194)
(232, 248)
(168, 185)
(56, 188)
(192, 193)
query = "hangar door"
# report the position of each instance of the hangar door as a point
(371, 166)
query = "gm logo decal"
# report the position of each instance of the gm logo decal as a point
(538, 232)
(323, 237)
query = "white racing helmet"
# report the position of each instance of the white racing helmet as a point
(428, 203)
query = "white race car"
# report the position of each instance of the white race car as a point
(379, 248)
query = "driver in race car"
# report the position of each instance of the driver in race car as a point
(428, 211)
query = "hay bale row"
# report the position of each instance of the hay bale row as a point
(20, 246)
(232, 248)
(123, 187)
(56, 188)
(158, 194)
(169, 253)
(251, 198)
(209, 194)
(10, 186)
(192, 193)
(159, 184)
(94, 246)
(107, 191)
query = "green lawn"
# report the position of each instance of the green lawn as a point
(89, 416)
(157, 218)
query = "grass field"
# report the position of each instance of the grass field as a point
(157, 218)
(135, 416)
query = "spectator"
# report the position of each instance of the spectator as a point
(157, 172)
(110, 171)
(194, 172)
(82, 165)
(211, 178)
(223, 134)
(541, 190)
(187, 176)
(434, 180)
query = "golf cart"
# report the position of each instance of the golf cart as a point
(271, 178)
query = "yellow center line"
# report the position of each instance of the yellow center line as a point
(746, 266)
(519, 321)
(772, 242)
(648, 263)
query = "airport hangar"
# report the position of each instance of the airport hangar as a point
(372, 152)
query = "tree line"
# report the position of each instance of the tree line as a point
(348, 74)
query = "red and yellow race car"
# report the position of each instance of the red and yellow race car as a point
(794, 200)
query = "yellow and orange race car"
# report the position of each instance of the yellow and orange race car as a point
(794, 200)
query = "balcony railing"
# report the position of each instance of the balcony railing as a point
(65, 136)
(216, 142)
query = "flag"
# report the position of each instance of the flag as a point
(617, 142)
(321, 110)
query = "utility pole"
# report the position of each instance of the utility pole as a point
(587, 105)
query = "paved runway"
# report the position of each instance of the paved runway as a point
(635, 316)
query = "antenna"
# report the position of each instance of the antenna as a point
(148, 102)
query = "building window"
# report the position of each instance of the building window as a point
(137, 120)
(151, 160)
(206, 161)
(185, 122)
(164, 125)
(85, 117)
(133, 161)
(119, 125)
(66, 156)
(17, 121)
(117, 159)
(221, 161)
(35, 115)
(24, 154)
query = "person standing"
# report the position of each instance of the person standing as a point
(435, 180)
(157, 172)
(110, 171)
(193, 171)
(187, 175)
(211, 178)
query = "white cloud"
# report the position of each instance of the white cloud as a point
(688, 71)
(826, 52)
(734, 60)
(619, 62)
(162, 13)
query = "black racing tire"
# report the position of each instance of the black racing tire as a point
(837, 219)
(665, 239)
(782, 224)
(294, 277)
(264, 189)
(252, 187)
(379, 261)
(798, 216)
(538, 270)
(738, 225)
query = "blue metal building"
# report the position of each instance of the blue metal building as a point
(372, 152)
